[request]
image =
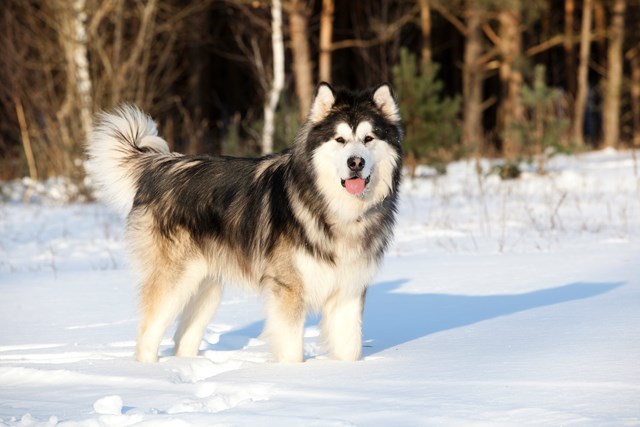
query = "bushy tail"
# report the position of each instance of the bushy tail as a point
(119, 142)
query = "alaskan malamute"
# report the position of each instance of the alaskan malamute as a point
(308, 226)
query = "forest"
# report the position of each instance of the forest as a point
(504, 79)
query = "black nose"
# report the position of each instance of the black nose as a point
(355, 163)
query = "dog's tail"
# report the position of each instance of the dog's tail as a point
(118, 145)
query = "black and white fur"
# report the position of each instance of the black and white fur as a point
(284, 224)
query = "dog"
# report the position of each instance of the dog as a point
(307, 227)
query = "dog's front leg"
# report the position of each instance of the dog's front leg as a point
(342, 325)
(284, 328)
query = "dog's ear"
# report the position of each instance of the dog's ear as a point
(322, 102)
(386, 102)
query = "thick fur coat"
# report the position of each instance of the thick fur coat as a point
(308, 226)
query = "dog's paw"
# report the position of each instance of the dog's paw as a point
(146, 356)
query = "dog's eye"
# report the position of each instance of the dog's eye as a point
(340, 140)
(368, 138)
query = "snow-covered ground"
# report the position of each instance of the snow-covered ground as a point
(500, 303)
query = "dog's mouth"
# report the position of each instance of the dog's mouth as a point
(355, 185)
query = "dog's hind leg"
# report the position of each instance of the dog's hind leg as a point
(284, 327)
(341, 325)
(163, 296)
(196, 316)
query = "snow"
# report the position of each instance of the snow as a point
(500, 303)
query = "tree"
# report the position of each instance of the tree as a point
(634, 60)
(302, 65)
(207, 72)
(510, 45)
(543, 127)
(569, 53)
(429, 117)
(580, 103)
(74, 39)
(600, 23)
(613, 82)
(425, 25)
(278, 77)
(326, 39)
(473, 76)
(44, 46)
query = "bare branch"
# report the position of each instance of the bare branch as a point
(554, 41)
(557, 40)
(453, 20)
(491, 35)
(387, 33)
(148, 13)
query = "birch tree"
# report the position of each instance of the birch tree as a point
(278, 77)
(81, 59)
(73, 39)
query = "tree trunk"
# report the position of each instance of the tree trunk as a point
(302, 67)
(600, 18)
(580, 103)
(472, 81)
(425, 21)
(326, 39)
(635, 96)
(611, 109)
(569, 54)
(511, 79)
(74, 42)
(82, 64)
(278, 77)
(118, 39)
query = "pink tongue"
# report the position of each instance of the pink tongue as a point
(354, 185)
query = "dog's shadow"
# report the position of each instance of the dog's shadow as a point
(393, 317)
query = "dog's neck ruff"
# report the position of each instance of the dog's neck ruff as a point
(377, 206)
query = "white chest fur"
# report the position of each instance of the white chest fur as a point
(349, 274)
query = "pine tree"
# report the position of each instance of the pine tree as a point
(430, 119)
(542, 133)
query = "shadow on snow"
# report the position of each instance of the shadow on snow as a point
(392, 317)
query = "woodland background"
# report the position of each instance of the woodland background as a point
(509, 79)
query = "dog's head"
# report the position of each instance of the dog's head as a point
(354, 141)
